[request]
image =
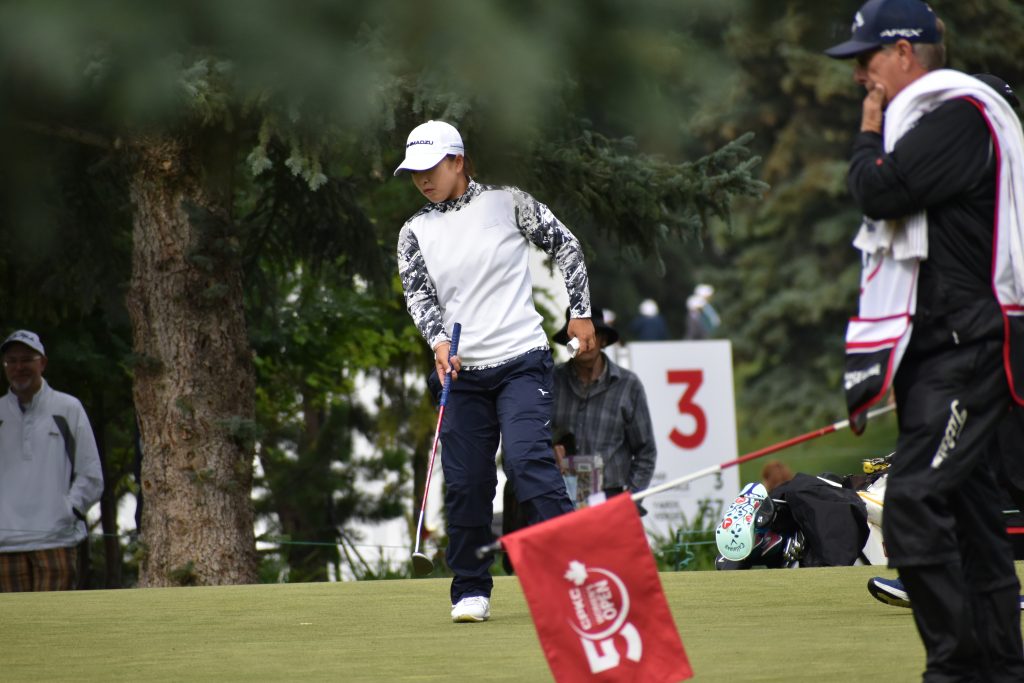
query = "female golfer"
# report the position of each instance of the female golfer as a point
(463, 258)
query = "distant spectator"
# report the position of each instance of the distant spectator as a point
(648, 325)
(701, 317)
(707, 292)
(49, 474)
(696, 326)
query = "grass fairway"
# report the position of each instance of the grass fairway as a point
(781, 625)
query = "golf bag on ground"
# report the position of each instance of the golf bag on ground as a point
(812, 521)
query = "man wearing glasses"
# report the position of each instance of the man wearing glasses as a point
(50, 473)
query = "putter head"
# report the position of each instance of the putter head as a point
(488, 550)
(421, 564)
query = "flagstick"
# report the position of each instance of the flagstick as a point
(714, 469)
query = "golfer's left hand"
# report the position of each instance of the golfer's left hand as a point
(583, 330)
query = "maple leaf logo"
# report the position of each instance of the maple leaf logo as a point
(577, 573)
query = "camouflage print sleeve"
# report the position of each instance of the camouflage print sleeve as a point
(541, 227)
(420, 294)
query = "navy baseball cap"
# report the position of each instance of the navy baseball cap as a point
(883, 22)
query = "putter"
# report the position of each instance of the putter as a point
(421, 564)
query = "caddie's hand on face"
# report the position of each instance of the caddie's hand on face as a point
(583, 330)
(874, 103)
(441, 362)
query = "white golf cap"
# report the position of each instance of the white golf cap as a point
(428, 143)
(29, 339)
(704, 291)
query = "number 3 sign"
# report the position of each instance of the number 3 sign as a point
(690, 396)
(691, 379)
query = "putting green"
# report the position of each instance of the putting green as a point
(780, 625)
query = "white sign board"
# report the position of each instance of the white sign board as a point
(690, 394)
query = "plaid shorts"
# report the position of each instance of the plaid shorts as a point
(53, 569)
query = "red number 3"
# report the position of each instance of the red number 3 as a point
(692, 379)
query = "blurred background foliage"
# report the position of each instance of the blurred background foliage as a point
(631, 119)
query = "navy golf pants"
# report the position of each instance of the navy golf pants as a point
(512, 401)
(943, 525)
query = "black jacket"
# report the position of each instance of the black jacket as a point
(946, 166)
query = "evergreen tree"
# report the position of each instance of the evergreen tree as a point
(249, 144)
(788, 275)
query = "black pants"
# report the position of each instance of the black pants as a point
(943, 525)
(512, 401)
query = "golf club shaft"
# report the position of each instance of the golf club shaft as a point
(714, 469)
(453, 349)
(430, 470)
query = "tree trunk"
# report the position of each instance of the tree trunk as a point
(193, 376)
(108, 502)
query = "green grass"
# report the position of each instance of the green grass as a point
(779, 625)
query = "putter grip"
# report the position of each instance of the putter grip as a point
(453, 349)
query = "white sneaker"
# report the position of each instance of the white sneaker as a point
(476, 608)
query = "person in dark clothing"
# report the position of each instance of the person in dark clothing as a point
(935, 169)
(648, 325)
(1008, 467)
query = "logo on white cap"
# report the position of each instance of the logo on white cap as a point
(428, 144)
(29, 339)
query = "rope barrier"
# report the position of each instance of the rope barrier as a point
(263, 539)
(277, 540)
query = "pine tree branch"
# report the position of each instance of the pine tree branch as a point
(63, 132)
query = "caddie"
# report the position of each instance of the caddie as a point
(937, 171)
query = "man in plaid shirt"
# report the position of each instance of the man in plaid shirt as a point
(604, 408)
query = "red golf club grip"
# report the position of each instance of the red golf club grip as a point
(453, 349)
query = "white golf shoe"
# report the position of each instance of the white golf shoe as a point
(476, 608)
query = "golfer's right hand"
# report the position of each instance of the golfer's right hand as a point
(442, 365)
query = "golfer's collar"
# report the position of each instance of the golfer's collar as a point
(472, 190)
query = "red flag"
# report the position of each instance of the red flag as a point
(593, 589)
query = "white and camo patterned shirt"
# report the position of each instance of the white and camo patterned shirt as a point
(466, 260)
